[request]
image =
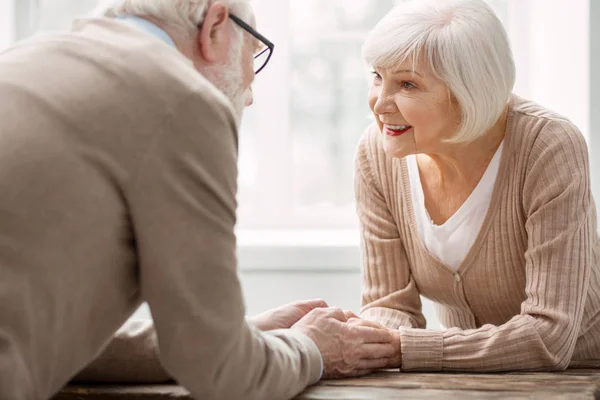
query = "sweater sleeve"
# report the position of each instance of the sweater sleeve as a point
(390, 295)
(560, 225)
(183, 211)
(130, 357)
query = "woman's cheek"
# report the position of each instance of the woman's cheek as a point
(372, 99)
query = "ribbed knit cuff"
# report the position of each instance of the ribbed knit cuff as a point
(422, 350)
(387, 317)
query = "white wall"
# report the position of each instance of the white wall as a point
(559, 44)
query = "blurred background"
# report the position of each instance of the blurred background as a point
(297, 228)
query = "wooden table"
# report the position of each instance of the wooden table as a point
(571, 384)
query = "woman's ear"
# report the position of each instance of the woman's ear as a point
(214, 34)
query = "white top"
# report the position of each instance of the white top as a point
(451, 241)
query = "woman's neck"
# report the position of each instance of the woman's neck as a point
(464, 164)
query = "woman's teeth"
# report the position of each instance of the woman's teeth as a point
(398, 127)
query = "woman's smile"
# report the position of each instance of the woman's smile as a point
(396, 130)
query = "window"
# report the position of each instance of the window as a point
(297, 141)
(7, 25)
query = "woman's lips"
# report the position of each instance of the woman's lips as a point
(396, 132)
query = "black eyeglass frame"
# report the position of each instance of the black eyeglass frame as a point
(253, 32)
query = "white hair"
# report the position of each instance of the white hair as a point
(184, 16)
(181, 15)
(462, 43)
(228, 78)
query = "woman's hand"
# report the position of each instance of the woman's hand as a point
(396, 360)
(347, 349)
(283, 317)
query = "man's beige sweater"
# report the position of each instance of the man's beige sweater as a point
(117, 185)
(527, 296)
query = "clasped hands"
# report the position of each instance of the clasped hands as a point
(350, 346)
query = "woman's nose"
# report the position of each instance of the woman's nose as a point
(384, 104)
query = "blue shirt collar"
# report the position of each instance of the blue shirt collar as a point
(148, 27)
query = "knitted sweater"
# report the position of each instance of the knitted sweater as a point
(527, 295)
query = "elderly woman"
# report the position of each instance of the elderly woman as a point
(474, 198)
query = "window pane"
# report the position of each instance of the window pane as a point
(7, 23)
(247, 164)
(58, 14)
(328, 102)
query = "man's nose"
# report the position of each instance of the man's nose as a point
(249, 97)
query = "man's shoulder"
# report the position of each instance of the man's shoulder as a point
(109, 86)
(110, 57)
(143, 59)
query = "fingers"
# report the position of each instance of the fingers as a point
(350, 314)
(364, 322)
(372, 364)
(351, 374)
(376, 351)
(314, 303)
(360, 372)
(373, 335)
(337, 313)
(329, 312)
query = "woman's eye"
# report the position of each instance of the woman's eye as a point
(375, 75)
(407, 85)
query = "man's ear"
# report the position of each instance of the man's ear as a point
(213, 36)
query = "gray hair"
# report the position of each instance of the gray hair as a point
(462, 43)
(182, 15)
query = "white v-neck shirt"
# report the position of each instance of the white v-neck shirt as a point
(451, 242)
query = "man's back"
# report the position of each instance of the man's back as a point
(80, 115)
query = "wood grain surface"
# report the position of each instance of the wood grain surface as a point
(571, 384)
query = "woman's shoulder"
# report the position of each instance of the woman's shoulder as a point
(534, 122)
(537, 133)
(550, 153)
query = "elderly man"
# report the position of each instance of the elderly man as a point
(118, 148)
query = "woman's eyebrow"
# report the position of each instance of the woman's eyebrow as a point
(410, 71)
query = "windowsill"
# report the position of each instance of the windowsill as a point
(284, 251)
(298, 250)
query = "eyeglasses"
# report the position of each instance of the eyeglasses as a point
(264, 54)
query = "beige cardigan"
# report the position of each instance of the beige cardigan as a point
(118, 185)
(527, 296)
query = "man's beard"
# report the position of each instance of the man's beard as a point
(228, 78)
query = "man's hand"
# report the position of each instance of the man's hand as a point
(396, 360)
(285, 316)
(348, 349)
